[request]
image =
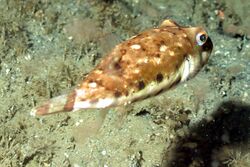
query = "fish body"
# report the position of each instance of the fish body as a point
(142, 66)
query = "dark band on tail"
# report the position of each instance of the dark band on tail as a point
(69, 106)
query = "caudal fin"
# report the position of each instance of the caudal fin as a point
(74, 101)
(63, 103)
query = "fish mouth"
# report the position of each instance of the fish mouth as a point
(207, 48)
(208, 45)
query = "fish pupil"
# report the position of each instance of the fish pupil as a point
(203, 38)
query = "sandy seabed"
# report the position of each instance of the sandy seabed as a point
(46, 48)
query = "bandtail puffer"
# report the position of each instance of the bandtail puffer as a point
(142, 66)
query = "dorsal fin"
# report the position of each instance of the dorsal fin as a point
(169, 23)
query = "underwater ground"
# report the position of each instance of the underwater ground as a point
(47, 47)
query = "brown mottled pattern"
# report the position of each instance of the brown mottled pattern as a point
(124, 67)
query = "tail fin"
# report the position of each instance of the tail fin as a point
(71, 102)
(63, 103)
(74, 101)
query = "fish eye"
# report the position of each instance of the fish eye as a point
(201, 38)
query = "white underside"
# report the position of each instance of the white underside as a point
(101, 103)
(151, 89)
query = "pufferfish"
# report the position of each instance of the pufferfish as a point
(140, 67)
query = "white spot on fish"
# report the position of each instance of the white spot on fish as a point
(179, 44)
(157, 60)
(171, 53)
(98, 71)
(137, 71)
(92, 85)
(135, 46)
(163, 48)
